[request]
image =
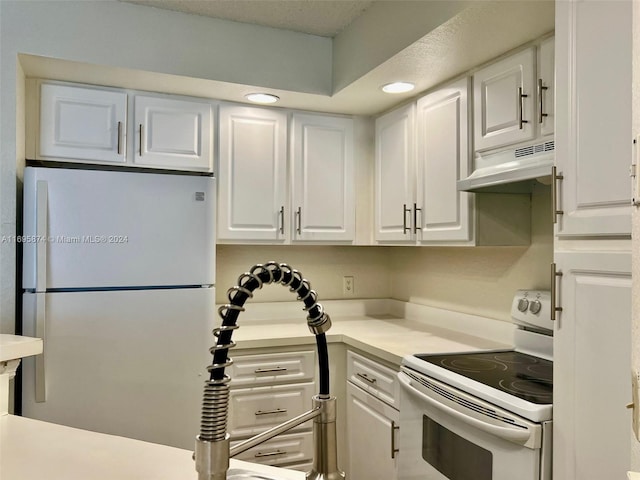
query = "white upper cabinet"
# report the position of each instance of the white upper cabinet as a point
(323, 178)
(394, 175)
(546, 89)
(504, 100)
(593, 119)
(78, 123)
(85, 124)
(252, 174)
(172, 133)
(442, 213)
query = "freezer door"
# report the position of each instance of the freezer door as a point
(129, 363)
(99, 229)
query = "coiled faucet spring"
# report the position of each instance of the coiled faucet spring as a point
(216, 395)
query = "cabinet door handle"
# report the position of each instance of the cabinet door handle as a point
(541, 89)
(275, 411)
(119, 138)
(394, 450)
(270, 370)
(555, 275)
(404, 218)
(270, 454)
(415, 217)
(140, 139)
(282, 220)
(366, 378)
(521, 95)
(555, 178)
(299, 220)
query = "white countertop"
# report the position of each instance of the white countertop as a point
(15, 346)
(34, 450)
(385, 336)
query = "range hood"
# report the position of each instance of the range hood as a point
(512, 170)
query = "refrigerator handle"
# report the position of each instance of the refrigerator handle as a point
(42, 201)
(41, 332)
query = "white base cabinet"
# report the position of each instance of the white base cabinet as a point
(267, 389)
(372, 419)
(592, 358)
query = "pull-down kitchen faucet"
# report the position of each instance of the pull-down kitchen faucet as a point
(212, 445)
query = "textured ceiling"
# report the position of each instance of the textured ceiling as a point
(326, 18)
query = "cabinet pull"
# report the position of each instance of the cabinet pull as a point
(271, 412)
(140, 139)
(366, 378)
(299, 220)
(555, 178)
(541, 89)
(521, 95)
(415, 217)
(555, 275)
(394, 450)
(404, 218)
(270, 370)
(281, 215)
(119, 138)
(270, 454)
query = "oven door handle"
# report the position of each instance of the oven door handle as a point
(515, 434)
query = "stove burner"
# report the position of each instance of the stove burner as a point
(473, 365)
(525, 376)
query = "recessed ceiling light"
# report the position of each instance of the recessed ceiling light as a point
(398, 87)
(262, 98)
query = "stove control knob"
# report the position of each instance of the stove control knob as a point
(535, 306)
(523, 304)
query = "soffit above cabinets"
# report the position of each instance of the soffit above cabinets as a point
(422, 42)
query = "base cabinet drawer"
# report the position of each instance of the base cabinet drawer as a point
(376, 379)
(294, 448)
(254, 410)
(264, 369)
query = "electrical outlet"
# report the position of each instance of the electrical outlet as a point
(347, 286)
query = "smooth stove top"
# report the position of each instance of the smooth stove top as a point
(524, 376)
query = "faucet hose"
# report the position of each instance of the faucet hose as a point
(215, 404)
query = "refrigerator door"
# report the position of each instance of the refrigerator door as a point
(129, 363)
(97, 229)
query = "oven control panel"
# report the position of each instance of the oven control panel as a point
(532, 308)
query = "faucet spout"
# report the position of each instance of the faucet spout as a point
(212, 445)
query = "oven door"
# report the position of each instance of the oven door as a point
(446, 434)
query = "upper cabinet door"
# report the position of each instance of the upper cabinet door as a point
(504, 99)
(593, 117)
(546, 87)
(323, 202)
(442, 159)
(173, 133)
(79, 123)
(252, 174)
(394, 175)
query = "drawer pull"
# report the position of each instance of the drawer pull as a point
(366, 378)
(270, 370)
(270, 454)
(271, 412)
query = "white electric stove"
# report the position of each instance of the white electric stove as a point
(482, 415)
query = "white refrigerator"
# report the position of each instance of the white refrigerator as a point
(118, 278)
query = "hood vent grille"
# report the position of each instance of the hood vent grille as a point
(534, 149)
